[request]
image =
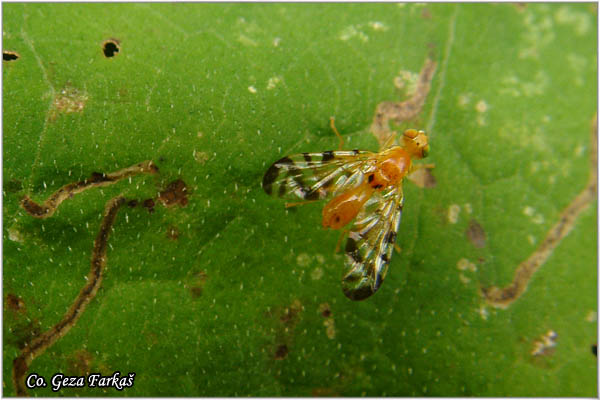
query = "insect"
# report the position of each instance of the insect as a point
(364, 188)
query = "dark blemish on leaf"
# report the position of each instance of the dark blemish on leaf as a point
(149, 204)
(173, 233)
(174, 194)
(110, 48)
(325, 310)
(80, 362)
(595, 349)
(196, 286)
(281, 352)
(290, 314)
(13, 186)
(132, 203)
(96, 177)
(476, 234)
(10, 55)
(23, 333)
(14, 303)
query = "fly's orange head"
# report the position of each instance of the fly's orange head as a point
(415, 143)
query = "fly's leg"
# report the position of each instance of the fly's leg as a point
(334, 129)
(421, 166)
(389, 141)
(299, 203)
(337, 245)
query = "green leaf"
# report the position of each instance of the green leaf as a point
(236, 304)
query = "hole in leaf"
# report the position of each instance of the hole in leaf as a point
(10, 55)
(110, 48)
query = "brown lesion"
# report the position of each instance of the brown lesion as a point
(405, 110)
(197, 283)
(14, 303)
(68, 100)
(40, 343)
(97, 179)
(173, 232)
(476, 234)
(287, 318)
(503, 297)
(175, 194)
(80, 362)
(36, 343)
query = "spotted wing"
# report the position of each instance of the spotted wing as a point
(313, 176)
(371, 242)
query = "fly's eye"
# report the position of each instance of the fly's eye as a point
(411, 133)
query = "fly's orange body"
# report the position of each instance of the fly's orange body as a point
(365, 191)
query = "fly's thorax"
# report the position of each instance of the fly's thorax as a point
(345, 207)
(391, 167)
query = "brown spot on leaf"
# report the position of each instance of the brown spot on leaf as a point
(426, 14)
(132, 203)
(111, 48)
(173, 232)
(14, 303)
(174, 194)
(196, 286)
(23, 333)
(68, 100)
(329, 322)
(80, 362)
(286, 319)
(325, 310)
(13, 185)
(281, 352)
(423, 178)
(149, 204)
(289, 316)
(476, 234)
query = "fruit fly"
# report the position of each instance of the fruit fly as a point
(364, 189)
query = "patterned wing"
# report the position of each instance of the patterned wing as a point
(313, 176)
(371, 242)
